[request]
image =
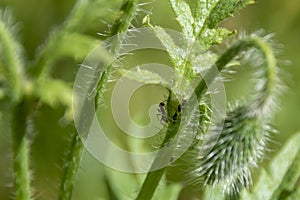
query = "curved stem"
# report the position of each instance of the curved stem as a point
(250, 42)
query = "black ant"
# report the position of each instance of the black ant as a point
(163, 112)
(175, 117)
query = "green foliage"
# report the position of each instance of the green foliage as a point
(184, 17)
(279, 179)
(209, 14)
(227, 160)
(144, 76)
(221, 162)
(223, 9)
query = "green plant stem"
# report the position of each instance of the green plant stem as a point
(71, 168)
(16, 82)
(241, 45)
(121, 25)
(20, 152)
(152, 179)
(150, 184)
(128, 10)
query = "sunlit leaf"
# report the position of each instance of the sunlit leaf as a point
(277, 177)
(223, 9)
(54, 92)
(144, 76)
(173, 50)
(215, 36)
(184, 17)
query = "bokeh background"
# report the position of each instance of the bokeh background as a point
(50, 136)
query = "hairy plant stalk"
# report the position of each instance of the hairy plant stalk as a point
(20, 145)
(249, 42)
(16, 80)
(68, 181)
(122, 24)
(153, 177)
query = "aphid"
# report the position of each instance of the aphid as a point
(180, 106)
(163, 112)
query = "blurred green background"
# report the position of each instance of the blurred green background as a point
(38, 18)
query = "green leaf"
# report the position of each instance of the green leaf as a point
(280, 176)
(202, 11)
(173, 50)
(54, 92)
(223, 9)
(144, 76)
(208, 14)
(289, 182)
(75, 45)
(215, 36)
(185, 18)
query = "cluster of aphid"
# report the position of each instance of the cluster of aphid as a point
(163, 112)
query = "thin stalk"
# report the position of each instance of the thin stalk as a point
(16, 81)
(121, 25)
(20, 145)
(150, 184)
(128, 10)
(71, 167)
(152, 179)
(244, 44)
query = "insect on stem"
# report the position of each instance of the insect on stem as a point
(163, 112)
